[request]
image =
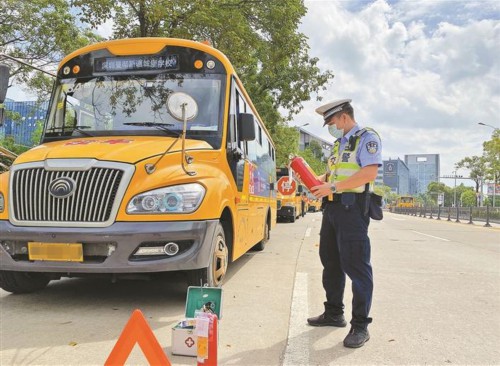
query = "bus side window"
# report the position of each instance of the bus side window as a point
(236, 148)
(241, 108)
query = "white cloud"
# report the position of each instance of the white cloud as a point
(422, 73)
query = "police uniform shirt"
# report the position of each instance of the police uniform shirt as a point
(369, 147)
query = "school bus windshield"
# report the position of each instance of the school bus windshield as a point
(135, 105)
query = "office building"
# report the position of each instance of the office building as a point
(424, 169)
(305, 138)
(397, 176)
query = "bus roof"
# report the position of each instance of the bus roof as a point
(147, 46)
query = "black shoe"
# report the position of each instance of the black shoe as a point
(330, 320)
(356, 338)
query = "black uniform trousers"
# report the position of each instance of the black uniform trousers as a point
(345, 250)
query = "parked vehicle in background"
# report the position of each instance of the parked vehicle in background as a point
(405, 201)
(314, 203)
(288, 195)
(153, 159)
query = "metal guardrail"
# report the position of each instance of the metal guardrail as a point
(458, 214)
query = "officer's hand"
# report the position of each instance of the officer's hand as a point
(322, 190)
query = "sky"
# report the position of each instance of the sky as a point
(423, 74)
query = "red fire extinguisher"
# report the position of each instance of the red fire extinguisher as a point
(304, 172)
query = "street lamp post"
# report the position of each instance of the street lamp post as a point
(485, 124)
(455, 190)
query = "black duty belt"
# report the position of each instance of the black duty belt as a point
(337, 197)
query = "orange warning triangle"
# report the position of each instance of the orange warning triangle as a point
(137, 330)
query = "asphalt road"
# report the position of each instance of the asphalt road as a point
(436, 301)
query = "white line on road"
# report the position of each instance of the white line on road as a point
(308, 232)
(431, 236)
(395, 218)
(297, 348)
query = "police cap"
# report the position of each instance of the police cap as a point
(329, 109)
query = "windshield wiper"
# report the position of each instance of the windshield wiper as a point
(159, 126)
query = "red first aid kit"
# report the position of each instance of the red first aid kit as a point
(304, 172)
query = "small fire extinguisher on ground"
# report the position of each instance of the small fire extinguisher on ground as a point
(304, 172)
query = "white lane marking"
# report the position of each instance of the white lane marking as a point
(297, 348)
(395, 218)
(308, 232)
(431, 236)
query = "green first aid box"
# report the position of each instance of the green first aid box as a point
(198, 296)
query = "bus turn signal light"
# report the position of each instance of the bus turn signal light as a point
(198, 64)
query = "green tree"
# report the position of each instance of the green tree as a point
(424, 199)
(37, 134)
(9, 144)
(317, 165)
(477, 168)
(468, 198)
(260, 37)
(316, 150)
(287, 143)
(491, 154)
(460, 189)
(436, 188)
(386, 192)
(39, 32)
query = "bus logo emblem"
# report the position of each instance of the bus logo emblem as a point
(62, 187)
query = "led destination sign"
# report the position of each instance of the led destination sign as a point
(136, 63)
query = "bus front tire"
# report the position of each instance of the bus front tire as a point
(214, 274)
(23, 282)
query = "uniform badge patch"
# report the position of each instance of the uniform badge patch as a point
(372, 147)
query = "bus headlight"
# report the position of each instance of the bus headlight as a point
(184, 198)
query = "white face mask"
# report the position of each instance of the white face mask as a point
(335, 132)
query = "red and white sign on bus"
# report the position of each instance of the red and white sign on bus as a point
(286, 186)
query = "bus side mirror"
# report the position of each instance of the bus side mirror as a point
(300, 189)
(4, 84)
(246, 127)
(272, 186)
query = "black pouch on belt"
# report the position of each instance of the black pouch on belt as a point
(375, 207)
(348, 199)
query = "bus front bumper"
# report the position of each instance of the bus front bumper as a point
(112, 249)
(286, 212)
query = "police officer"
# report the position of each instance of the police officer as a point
(344, 242)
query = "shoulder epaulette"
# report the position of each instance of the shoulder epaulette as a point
(361, 132)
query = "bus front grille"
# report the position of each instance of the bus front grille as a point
(85, 196)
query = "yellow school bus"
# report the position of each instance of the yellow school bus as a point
(405, 201)
(289, 192)
(314, 203)
(153, 159)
